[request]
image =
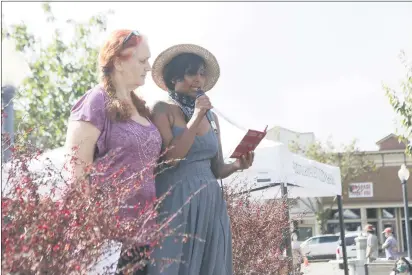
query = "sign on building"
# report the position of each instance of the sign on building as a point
(360, 190)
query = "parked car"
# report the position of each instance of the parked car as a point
(320, 247)
(350, 247)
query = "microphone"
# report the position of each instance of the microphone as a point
(209, 115)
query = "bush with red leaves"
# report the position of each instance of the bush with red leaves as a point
(50, 226)
(257, 233)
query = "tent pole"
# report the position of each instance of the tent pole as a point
(342, 235)
(284, 193)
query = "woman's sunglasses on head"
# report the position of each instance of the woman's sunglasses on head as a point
(130, 35)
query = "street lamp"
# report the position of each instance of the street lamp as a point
(403, 175)
(14, 70)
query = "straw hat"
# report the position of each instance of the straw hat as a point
(211, 65)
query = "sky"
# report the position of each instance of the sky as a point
(308, 67)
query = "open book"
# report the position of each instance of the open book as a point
(249, 143)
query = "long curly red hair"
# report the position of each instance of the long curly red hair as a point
(112, 49)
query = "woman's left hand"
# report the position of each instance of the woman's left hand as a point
(245, 161)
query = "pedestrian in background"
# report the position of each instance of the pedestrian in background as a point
(372, 244)
(390, 244)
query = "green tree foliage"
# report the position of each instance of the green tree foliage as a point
(62, 70)
(401, 102)
(351, 161)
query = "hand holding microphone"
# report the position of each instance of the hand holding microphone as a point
(202, 104)
(202, 107)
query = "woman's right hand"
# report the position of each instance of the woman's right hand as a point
(202, 105)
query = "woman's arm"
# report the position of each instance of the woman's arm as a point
(81, 141)
(385, 244)
(176, 147)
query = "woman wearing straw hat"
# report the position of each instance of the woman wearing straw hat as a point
(192, 146)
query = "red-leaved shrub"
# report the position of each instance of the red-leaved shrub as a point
(52, 226)
(258, 228)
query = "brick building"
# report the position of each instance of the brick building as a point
(376, 197)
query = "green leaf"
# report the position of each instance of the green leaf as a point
(401, 102)
(62, 71)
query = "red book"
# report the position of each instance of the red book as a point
(249, 143)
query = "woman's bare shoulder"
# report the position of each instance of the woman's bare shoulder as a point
(164, 106)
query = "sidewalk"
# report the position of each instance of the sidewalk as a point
(322, 268)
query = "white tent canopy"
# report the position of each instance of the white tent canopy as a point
(274, 163)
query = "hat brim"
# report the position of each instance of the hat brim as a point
(212, 68)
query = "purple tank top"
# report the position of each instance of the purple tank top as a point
(137, 148)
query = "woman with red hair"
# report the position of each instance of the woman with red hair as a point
(111, 117)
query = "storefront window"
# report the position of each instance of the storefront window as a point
(333, 228)
(348, 214)
(304, 233)
(404, 234)
(372, 213)
(403, 212)
(388, 213)
(353, 226)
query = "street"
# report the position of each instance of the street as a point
(322, 268)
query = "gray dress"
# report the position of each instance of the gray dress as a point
(207, 249)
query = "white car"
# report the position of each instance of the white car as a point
(350, 247)
(320, 247)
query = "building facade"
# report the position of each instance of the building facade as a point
(373, 198)
(376, 197)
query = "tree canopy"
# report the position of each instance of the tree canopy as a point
(62, 70)
(401, 102)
